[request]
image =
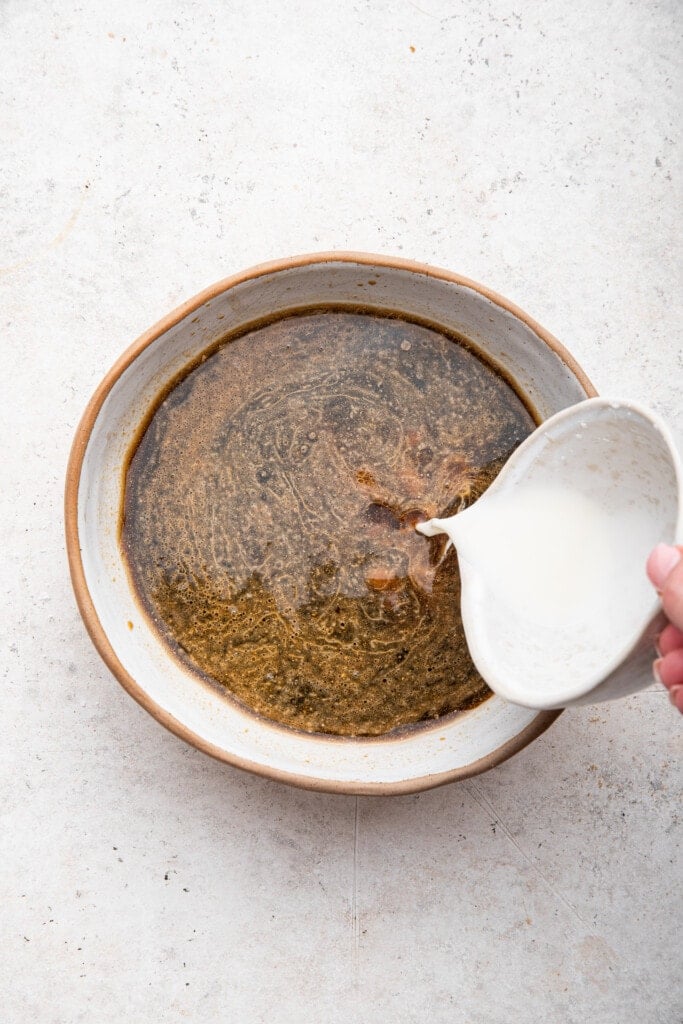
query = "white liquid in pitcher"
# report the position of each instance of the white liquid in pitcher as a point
(550, 552)
(554, 564)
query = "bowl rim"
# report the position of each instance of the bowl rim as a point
(84, 599)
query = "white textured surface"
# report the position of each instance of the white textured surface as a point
(148, 149)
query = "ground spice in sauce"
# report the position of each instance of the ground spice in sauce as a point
(269, 512)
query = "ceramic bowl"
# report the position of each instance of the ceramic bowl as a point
(453, 747)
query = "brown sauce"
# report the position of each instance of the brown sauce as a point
(269, 512)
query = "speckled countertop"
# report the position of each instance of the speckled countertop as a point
(149, 149)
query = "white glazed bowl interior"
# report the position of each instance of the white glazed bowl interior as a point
(454, 747)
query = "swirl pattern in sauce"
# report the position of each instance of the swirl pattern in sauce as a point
(269, 517)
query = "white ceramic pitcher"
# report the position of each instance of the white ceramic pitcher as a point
(620, 460)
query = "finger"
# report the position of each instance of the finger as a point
(676, 697)
(672, 595)
(663, 559)
(669, 670)
(670, 639)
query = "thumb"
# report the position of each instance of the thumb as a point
(661, 563)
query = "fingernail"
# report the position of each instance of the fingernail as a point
(673, 694)
(658, 649)
(661, 563)
(655, 671)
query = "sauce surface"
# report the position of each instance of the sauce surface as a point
(269, 514)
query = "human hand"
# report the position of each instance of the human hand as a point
(665, 570)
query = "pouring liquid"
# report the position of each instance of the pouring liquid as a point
(546, 550)
(550, 561)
